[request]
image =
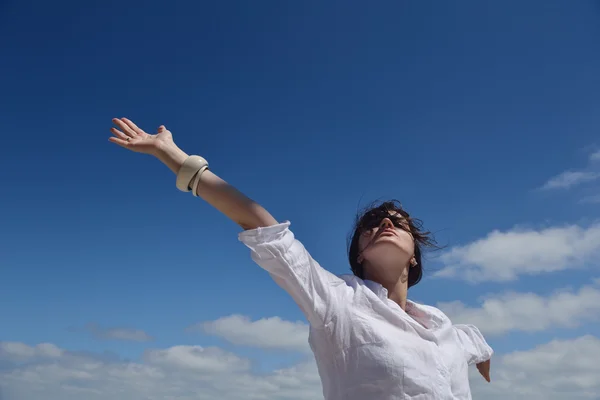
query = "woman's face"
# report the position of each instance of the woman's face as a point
(386, 245)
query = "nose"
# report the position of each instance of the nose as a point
(386, 223)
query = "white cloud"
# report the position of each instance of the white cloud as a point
(529, 312)
(502, 256)
(572, 178)
(558, 370)
(16, 351)
(569, 179)
(129, 334)
(561, 369)
(197, 358)
(266, 333)
(175, 373)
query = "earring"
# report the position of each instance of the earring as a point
(413, 262)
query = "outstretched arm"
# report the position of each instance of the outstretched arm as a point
(214, 190)
(273, 246)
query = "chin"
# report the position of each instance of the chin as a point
(391, 247)
(385, 274)
(389, 254)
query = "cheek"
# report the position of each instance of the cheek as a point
(363, 241)
(407, 241)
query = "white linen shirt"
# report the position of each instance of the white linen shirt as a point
(366, 347)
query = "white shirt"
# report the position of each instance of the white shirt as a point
(366, 347)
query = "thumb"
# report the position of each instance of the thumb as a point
(162, 128)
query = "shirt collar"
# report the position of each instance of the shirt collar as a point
(429, 317)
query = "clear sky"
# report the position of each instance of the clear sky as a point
(482, 117)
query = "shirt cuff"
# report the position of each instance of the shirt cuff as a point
(474, 344)
(484, 350)
(269, 241)
(264, 233)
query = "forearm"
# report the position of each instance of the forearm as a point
(219, 194)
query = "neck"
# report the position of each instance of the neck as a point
(397, 288)
(398, 293)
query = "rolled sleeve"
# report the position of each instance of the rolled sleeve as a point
(473, 343)
(316, 291)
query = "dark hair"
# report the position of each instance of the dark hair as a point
(376, 212)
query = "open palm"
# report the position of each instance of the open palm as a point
(128, 135)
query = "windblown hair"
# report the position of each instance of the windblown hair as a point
(371, 216)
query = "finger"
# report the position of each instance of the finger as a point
(161, 128)
(118, 133)
(124, 128)
(133, 126)
(120, 142)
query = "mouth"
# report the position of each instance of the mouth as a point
(388, 232)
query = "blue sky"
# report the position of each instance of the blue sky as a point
(465, 111)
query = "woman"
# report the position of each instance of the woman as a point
(369, 340)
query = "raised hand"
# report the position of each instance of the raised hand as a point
(484, 369)
(131, 137)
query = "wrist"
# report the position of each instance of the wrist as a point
(170, 155)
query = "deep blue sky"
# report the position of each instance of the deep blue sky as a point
(459, 109)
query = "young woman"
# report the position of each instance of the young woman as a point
(370, 342)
